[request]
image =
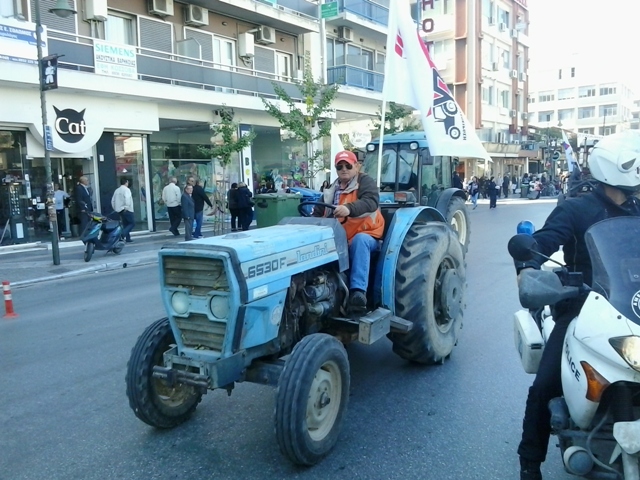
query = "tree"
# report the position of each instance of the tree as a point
(397, 119)
(304, 120)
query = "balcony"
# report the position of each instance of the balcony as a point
(374, 12)
(355, 77)
(293, 16)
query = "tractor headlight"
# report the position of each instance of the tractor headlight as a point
(180, 302)
(219, 306)
(629, 349)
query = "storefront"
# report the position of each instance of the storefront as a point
(103, 139)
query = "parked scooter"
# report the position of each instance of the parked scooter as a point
(102, 233)
(597, 420)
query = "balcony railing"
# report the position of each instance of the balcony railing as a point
(169, 68)
(296, 7)
(372, 11)
(355, 77)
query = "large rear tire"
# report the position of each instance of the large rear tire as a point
(151, 399)
(430, 288)
(312, 396)
(458, 217)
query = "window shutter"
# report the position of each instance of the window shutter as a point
(155, 35)
(264, 60)
(54, 22)
(204, 39)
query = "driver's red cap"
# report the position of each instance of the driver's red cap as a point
(346, 156)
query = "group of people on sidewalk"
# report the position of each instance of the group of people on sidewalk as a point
(187, 205)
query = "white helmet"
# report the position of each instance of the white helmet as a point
(615, 160)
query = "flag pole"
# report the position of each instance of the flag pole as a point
(380, 145)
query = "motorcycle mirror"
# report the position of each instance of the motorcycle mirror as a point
(522, 247)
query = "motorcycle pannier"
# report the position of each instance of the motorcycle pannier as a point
(528, 340)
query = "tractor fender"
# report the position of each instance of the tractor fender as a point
(442, 205)
(384, 291)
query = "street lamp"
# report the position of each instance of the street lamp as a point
(63, 10)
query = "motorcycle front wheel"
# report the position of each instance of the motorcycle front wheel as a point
(88, 251)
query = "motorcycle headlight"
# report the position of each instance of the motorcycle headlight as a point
(629, 349)
(219, 306)
(180, 302)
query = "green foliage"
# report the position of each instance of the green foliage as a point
(229, 144)
(397, 119)
(303, 120)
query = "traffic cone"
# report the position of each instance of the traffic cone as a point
(8, 302)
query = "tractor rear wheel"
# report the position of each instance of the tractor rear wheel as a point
(312, 396)
(152, 400)
(430, 289)
(458, 217)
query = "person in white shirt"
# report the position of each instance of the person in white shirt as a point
(172, 196)
(59, 196)
(122, 202)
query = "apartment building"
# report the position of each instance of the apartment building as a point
(580, 98)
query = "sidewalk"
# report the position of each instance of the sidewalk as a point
(33, 263)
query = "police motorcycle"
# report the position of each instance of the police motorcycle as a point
(597, 420)
(102, 233)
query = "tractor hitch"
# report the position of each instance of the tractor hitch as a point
(173, 376)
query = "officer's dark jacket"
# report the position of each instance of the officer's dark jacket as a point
(567, 225)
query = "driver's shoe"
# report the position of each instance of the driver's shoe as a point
(357, 301)
(529, 470)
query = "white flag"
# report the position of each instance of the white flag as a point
(568, 152)
(411, 78)
(336, 147)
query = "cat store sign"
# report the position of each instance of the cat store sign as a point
(74, 129)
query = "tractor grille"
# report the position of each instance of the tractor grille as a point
(198, 331)
(200, 275)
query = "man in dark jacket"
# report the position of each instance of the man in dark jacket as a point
(357, 202)
(84, 204)
(187, 207)
(566, 226)
(199, 199)
(505, 185)
(232, 202)
(245, 204)
(456, 182)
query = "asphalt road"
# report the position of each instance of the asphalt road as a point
(64, 413)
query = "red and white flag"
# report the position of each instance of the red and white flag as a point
(411, 78)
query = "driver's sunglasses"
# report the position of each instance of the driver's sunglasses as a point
(341, 166)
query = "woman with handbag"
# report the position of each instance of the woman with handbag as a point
(245, 206)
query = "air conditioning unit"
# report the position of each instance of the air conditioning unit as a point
(514, 33)
(345, 34)
(522, 77)
(514, 73)
(266, 35)
(502, 27)
(96, 10)
(513, 114)
(196, 16)
(524, 115)
(162, 8)
(495, 66)
(246, 47)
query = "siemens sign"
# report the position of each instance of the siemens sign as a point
(115, 60)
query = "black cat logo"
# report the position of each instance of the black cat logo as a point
(70, 125)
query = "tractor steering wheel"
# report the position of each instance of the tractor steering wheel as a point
(320, 204)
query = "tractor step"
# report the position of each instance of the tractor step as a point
(400, 325)
(376, 324)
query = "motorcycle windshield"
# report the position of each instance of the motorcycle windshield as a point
(615, 257)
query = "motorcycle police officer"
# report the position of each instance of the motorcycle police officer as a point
(615, 165)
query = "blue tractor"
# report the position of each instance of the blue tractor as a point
(269, 306)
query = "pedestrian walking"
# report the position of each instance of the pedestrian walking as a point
(505, 185)
(172, 198)
(188, 209)
(473, 189)
(83, 201)
(232, 202)
(494, 191)
(245, 206)
(122, 202)
(59, 198)
(199, 199)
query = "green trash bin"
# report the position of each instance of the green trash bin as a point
(524, 190)
(270, 208)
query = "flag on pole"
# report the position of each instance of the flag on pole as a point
(568, 152)
(411, 78)
(336, 147)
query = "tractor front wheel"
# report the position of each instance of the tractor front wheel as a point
(153, 400)
(458, 217)
(429, 290)
(311, 399)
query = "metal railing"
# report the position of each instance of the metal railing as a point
(355, 77)
(372, 11)
(301, 8)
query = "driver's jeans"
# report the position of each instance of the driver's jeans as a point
(360, 250)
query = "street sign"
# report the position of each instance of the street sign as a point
(48, 138)
(329, 10)
(556, 156)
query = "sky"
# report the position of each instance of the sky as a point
(606, 30)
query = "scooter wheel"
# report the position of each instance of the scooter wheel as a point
(88, 251)
(117, 248)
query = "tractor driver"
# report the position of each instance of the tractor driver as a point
(357, 199)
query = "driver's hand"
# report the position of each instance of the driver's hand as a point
(341, 211)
